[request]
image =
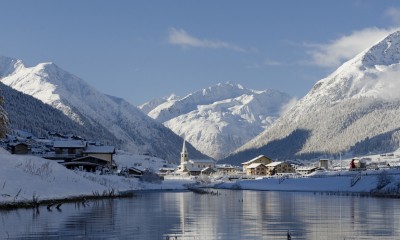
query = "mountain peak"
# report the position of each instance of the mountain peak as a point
(355, 109)
(220, 118)
(385, 52)
(9, 65)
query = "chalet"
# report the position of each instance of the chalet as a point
(260, 159)
(226, 169)
(20, 148)
(279, 167)
(103, 152)
(88, 163)
(135, 172)
(67, 150)
(306, 170)
(131, 172)
(256, 169)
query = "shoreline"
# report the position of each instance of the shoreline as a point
(132, 193)
(329, 183)
(55, 201)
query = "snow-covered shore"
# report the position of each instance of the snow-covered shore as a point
(335, 181)
(28, 178)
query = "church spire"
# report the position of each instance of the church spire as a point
(184, 153)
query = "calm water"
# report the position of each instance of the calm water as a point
(230, 215)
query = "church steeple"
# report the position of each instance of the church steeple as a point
(184, 153)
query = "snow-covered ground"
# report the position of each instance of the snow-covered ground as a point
(337, 179)
(325, 181)
(25, 178)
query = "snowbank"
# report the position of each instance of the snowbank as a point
(25, 178)
(324, 181)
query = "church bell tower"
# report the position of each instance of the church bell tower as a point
(184, 153)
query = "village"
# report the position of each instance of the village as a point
(75, 153)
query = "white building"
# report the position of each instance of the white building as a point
(193, 166)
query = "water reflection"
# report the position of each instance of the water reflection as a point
(226, 215)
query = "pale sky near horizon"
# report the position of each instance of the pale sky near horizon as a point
(141, 50)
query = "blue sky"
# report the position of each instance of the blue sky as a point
(140, 50)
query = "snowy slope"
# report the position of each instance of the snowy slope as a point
(81, 102)
(221, 118)
(355, 109)
(30, 114)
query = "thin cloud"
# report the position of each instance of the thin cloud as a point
(182, 38)
(266, 63)
(270, 62)
(394, 14)
(344, 48)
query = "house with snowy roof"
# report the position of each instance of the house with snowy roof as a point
(279, 168)
(20, 148)
(88, 163)
(71, 150)
(103, 152)
(256, 169)
(66, 150)
(260, 159)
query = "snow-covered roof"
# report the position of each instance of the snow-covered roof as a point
(306, 168)
(255, 165)
(274, 164)
(254, 159)
(191, 168)
(69, 144)
(224, 166)
(99, 149)
(82, 159)
(18, 143)
(196, 161)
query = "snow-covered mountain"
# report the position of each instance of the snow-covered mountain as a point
(32, 115)
(356, 109)
(83, 104)
(221, 118)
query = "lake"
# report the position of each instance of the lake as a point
(228, 215)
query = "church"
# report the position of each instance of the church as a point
(194, 166)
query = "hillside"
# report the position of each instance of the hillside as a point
(29, 114)
(132, 130)
(219, 119)
(356, 109)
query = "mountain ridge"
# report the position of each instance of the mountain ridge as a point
(134, 130)
(342, 112)
(220, 118)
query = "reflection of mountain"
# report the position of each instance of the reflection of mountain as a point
(186, 215)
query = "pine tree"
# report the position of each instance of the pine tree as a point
(3, 119)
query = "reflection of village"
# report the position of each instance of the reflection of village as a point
(226, 216)
(272, 213)
(91, 156)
